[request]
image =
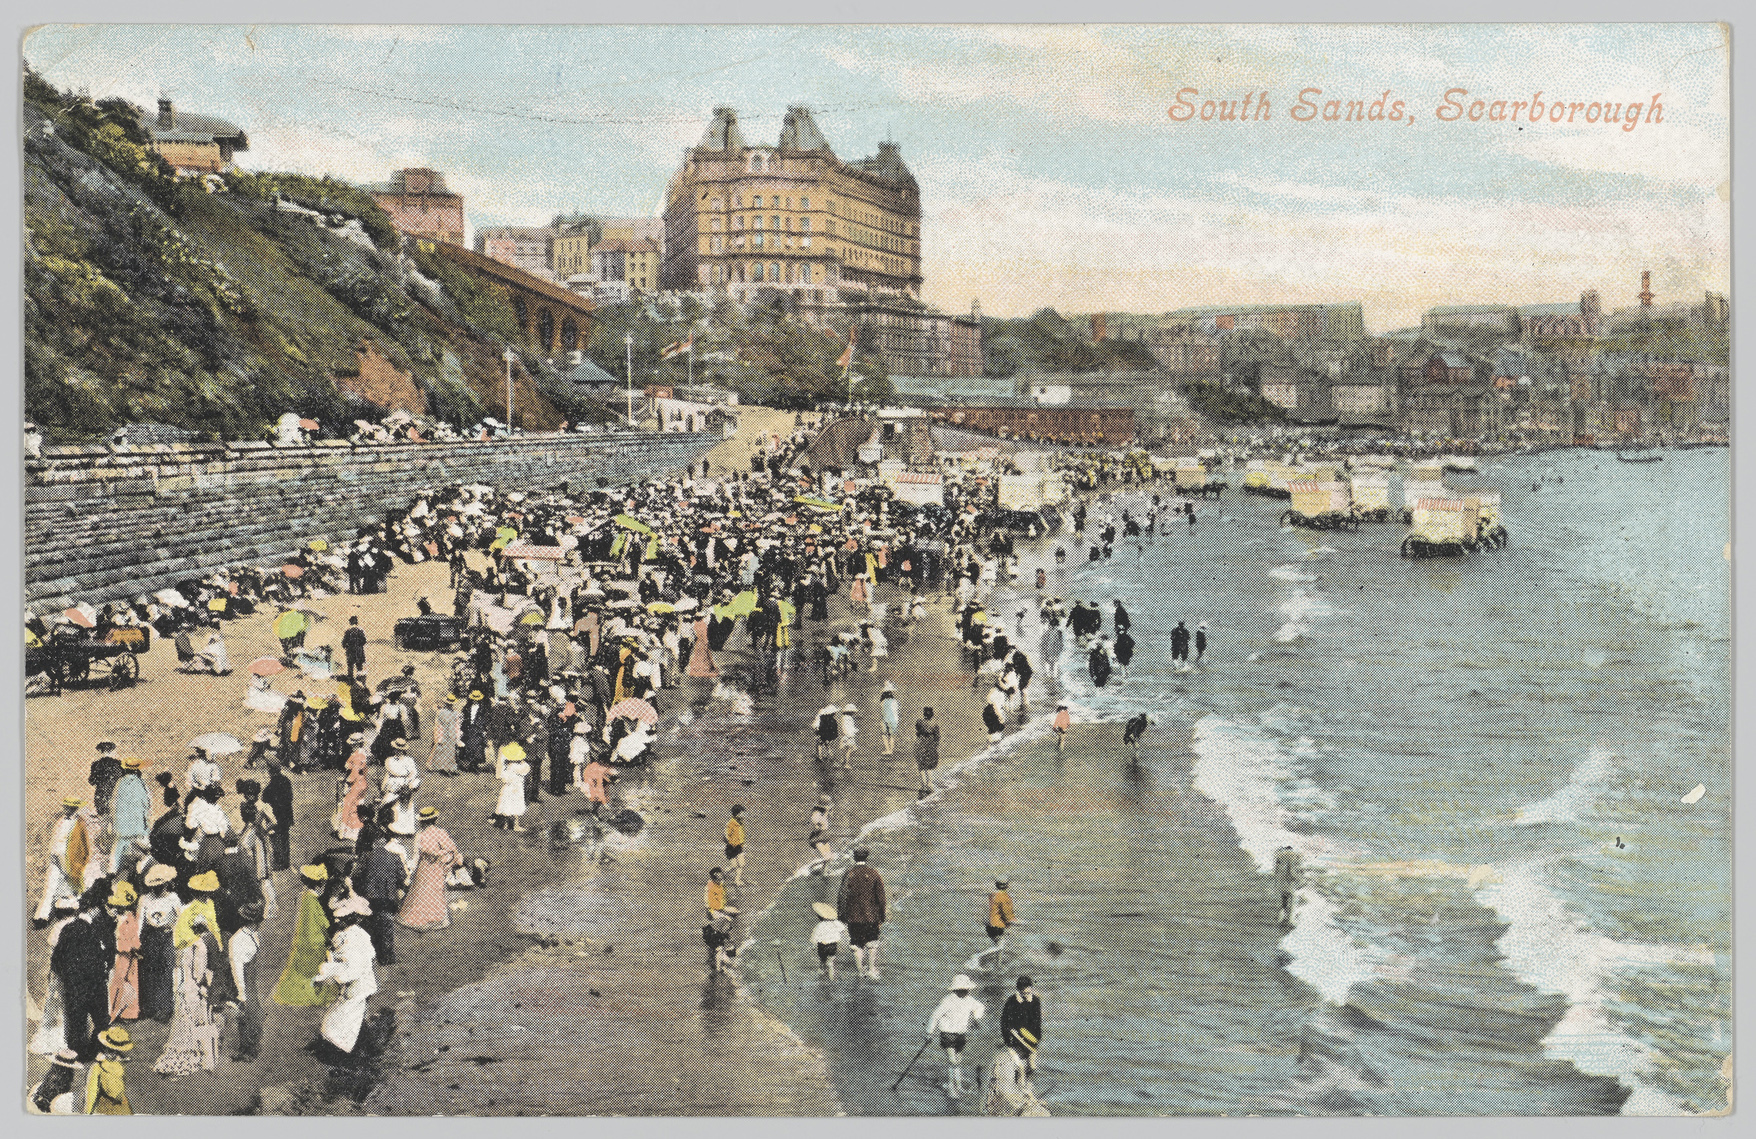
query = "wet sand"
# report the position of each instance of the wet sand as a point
(659, 1035)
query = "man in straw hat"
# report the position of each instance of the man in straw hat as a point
(105, 1091)
(130, 804)
(826, 937)
(860, 902)
(952, 1021)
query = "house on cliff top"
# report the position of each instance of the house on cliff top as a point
(194, 145)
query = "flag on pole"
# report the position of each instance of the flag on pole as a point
(846, 359)
(678, 347)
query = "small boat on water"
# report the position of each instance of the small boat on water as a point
(1458, 463)
(1641, 457)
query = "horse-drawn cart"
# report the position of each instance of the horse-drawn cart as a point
(70, 658)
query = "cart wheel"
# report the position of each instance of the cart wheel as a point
(124, 671)
(77, 670)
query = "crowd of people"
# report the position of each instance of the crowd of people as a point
(577, 614)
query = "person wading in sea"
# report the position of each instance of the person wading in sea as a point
(952, 1021)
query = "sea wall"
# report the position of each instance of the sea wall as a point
(101, 524)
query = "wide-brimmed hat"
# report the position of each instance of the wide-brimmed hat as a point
(850, 709)
(452, 699)
(73, 801)
(357, 737)
(889, 687)
(122, 895)
(475, 694)
(134, 763)
(115, 1039)
(205, 883)
(316, 873)
(398, 827)
(428, 814)
(961, 984)
(106, 745)
(824, 910)
(160, 875)
(65, 1057)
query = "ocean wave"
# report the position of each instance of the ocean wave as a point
(1550, 948)
(1291, 573)
(1298, 611)
(1576, 796)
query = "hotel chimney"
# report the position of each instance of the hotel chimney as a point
(167, 117)
(1646, 288)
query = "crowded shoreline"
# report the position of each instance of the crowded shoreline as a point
(678, 829)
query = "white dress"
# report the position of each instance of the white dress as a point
(511, 804)
(350, 965)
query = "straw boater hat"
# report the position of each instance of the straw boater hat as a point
(398, 827)
(122, 896)
(961, 984)
(429, 814)
(134, 763)
(452, 699)
(160, 875)
(205, 883)
(73, 802)
(115, 1039)
(824, 910)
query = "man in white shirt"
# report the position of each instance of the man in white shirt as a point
(953, 1020)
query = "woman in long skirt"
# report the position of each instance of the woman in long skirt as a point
(424, 906)
(158, 957)
(350, 965)
(701, 659)
(125, 974)
(347, 815)
(195, 1029)
(310, 943)
(447, 735)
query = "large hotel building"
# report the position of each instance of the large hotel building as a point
(790, 216)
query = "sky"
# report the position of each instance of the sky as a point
(1053, 167)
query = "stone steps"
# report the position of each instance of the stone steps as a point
(100, 526)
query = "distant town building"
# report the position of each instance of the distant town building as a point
(1289, 322)
(526, 247)
(791, 216)
(1109, 426)
(913, 340)
(1454, 320)
(632, 261)
(420, 206)
(194, 144)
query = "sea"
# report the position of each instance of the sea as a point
(1506, 776)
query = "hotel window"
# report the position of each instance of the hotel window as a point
(804, 225)
(716, 225)
(804, 203)
(804, 242)
(756, 241)
(756, 202)
(756, 271)
(756, 221)
(774, 271)
(774, 223)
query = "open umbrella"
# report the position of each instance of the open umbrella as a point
(661, 607)
(217, 743)
(81, 615)
(629, 522)
(309, 424)
(171, 597)
(292, 570)
(634, 708)
(289, 624)
(531, 619)
(266, 666)
(506, 532)
(318, 544)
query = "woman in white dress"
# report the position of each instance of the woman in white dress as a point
(401, 779)
(350, 964)
(510, 768)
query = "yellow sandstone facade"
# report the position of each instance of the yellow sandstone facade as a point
(790, 216)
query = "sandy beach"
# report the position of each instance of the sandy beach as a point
(575, 924)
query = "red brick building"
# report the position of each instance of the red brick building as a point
(419, 205)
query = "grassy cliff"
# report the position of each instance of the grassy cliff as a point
(149, 299)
